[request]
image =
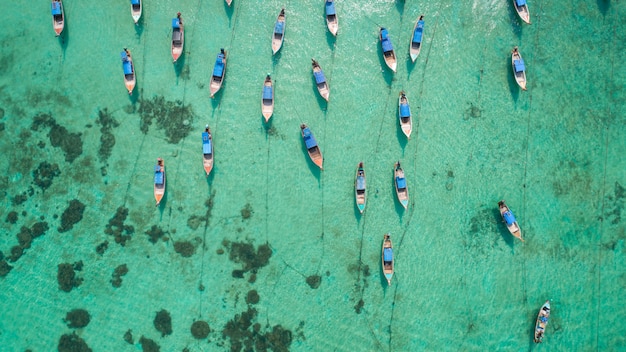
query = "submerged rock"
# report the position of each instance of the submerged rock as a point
(77, 318)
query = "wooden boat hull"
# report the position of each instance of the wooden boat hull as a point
(217, 81)
(58, 21)
(207, 158)
(416, 46)
(278, 37)
(130, 79)
(322, 87)
(542, 322)
(159, 189)
(522, 11)
(315, 154)
(267, 105)
(520, 77)
(360, 194)
(406, 123)
(135, 11)
(331, 19)
(389, 56)
(178, 44)
(513, 228)
(402, 193)
(388, 265)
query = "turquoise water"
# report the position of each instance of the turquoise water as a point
(71, 135)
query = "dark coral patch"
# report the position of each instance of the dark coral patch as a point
(128, 337)
(72, 343)
(359, 306)
(252, 297)
(184, 248)
(66, 277)
(116, 227)
(77, 318)
(120, 271)
(246, 212)
(12, 217)
(174, 118)
(107, 139)
(154, 234)
(44, 174)
(244, 333)
(102, 247)
(314, 281)
(163, 322)
(72, 215)
(244, 253)
(5, 268)
(148, 345)
(200, 329)
(70, 143)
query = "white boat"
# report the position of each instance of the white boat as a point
(387, 258)
(267, 98)
(178, 37)
(542, 322)
(58, 17)
(360, 194)
(519, 68)
(129, 71)
(521, 7)
(509, 220)
(402, 192)
(404, 115)
(331, 17)
(135, 9)
(320, 80)
(219, 70)
(207, 150)
(279, 32)
(388, 53)
(416, 39)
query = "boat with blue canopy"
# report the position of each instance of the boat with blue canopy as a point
(58, 17)
(542, 322)
(207, 150)
(521, 7)
(519, 68)
(159, 181)
(510, 220)
(387, 258)
(331, 17)
(178, 37)
(311, 146)
(219, 70)
(402, 192)
(360, 188)
(267, 98)
(416, 39)
(388, 53)
(279, 32)
(320, 80)
(129, 71)
(135, 9)
(404, 115)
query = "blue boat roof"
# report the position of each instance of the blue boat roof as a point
(520, 2)
(405, 110)
(388, 254)
(330, 8)
(124, 56)
(509, 217)
(319, 77)
(158, 176)
(360, 183)
(309, 140)
(175, 23)
(279, 27)
(401, 182)
(126, 65)
(267, 93)
(207, 146)
(519, 65)
(419, 31)
(218, 70)
(134, 2)
(56, 8)
(387, 46)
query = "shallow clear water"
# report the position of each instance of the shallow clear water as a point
(555, 152)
